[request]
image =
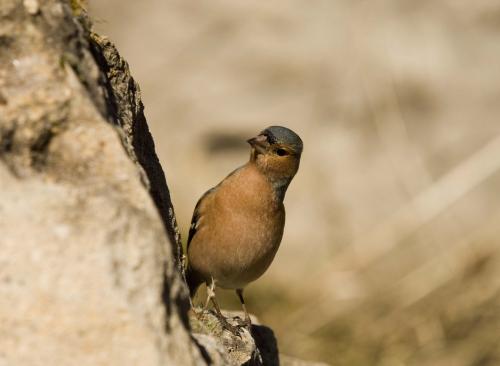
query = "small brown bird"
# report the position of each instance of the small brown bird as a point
(237, 226)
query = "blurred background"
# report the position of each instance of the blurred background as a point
(391, 249)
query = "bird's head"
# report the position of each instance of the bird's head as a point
(276, 153)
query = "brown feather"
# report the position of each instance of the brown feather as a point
(239, 229)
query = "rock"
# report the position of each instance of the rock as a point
(87, 270)
(250, 348)
(222, 345)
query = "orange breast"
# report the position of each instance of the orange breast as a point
(240, 230)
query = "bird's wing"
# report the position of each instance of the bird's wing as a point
(195, 221)
(196, 215)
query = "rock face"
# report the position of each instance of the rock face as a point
(87, 270)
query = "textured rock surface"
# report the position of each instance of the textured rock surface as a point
(258, 347)
(87, 273)
(221, 345)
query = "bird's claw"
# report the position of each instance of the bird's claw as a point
(235, 330)
(243, 323)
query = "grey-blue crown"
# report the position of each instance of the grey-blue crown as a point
(283, 135)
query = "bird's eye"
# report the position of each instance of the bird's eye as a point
(281, 152)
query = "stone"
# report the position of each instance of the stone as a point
(254, 347)
(89, 265)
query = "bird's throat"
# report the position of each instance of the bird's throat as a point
(280, 186)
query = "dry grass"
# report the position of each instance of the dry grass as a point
(390, 255)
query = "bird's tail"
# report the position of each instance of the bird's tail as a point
(193, 279)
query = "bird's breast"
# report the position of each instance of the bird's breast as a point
(246, 230)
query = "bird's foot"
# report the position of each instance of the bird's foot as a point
(244, 323)
(198, 313)
(231, 328)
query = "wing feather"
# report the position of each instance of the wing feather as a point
(195, 221)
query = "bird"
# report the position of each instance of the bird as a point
(237, 226)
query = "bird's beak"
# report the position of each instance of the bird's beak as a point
(259, 143)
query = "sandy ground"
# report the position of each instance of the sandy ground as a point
(392, 227)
